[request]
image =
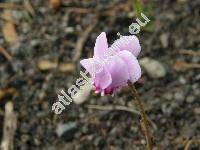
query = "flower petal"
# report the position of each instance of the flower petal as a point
(101, 45)
(118, 70)
(102, 79)
(130, 43)
(89, 65)
(100, 75)
(132, 64)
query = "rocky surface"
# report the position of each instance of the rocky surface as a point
(172, 100)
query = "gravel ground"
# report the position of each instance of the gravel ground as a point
(170, 92)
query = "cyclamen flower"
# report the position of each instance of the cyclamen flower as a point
(111, 71)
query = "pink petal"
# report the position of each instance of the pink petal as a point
(130, 43)
(89, 65)
(101, 45)
(119, 72)
(93, 65)
(132, 64)
(102, 79)
(100, 76)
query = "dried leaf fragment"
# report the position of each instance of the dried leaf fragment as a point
(10, 125)
(196, 111)
(55, 4)
(67, 67)
(7, 92)
(45, 65)
(9, 30)
(182, 65)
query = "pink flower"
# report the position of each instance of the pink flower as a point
(111, 71)
(129, 43)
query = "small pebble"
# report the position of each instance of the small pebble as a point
(153, 67)
(197, 110)
(179, 96)
(164, 40)
(190, 99)
(168, 96)
(67, 130)
(46, 65)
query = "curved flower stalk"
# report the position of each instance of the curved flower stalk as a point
(115, 67)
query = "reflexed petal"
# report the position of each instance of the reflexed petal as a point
(89, 65)
(102, 79)
(101, 45)
(132, 65)
(130, 43)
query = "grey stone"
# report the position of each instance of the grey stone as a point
(153, 67)
(190, 99)
(168, 96)
(17, 14)
(67, 130)
(182, 80)
(179, 96)
(164, 40)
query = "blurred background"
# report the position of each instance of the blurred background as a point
(41, 44)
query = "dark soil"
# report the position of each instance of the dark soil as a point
(172, 102)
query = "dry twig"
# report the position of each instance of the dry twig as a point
(108, 11)
(189, 52)
(121, 108)
(81, 41)
(114, 107)
(80, 10)
(182, 65)
(187, 146)
(192, 141)
(29, 8)
(10, 124)
(11, 6)
(5, 53)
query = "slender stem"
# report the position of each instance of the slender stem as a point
(5, 53)
(145, 125)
